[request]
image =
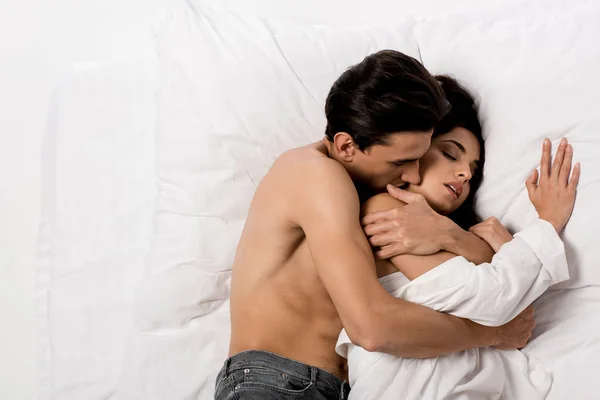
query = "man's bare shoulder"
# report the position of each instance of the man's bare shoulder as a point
(314, 153)
(312, 166)
(313, 182)
(381, 202)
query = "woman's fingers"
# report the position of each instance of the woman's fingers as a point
(546, 158)
(558, 160)
(565, 169)
(476, 230)
(531, 182)
(558, 169)
(575, 177)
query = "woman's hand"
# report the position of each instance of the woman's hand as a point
(492, 232)
(552, 190)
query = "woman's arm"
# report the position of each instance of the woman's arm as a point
(463, 243)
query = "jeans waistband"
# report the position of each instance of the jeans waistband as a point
(324, 380)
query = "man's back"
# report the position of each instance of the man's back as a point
(278, 302)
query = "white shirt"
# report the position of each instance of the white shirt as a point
(489, 294)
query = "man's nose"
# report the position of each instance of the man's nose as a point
(411, 173)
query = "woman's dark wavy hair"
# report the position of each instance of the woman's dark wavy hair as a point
(463, 113)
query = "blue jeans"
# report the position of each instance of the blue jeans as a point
(260, 375)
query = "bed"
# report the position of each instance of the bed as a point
(149, 166)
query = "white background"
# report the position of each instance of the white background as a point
(39, 40)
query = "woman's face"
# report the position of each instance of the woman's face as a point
(446, 170)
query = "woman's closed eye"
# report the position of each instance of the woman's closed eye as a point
(450, 156)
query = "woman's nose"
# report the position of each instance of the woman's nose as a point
(465, 175)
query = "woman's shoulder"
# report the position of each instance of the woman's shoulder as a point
(380, 202)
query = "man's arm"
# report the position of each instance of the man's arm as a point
(415, 228)
(413, 266)
(327, 208)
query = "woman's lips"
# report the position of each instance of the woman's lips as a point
(455, 189)
(451, 192)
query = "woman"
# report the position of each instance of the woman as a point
(490, 294)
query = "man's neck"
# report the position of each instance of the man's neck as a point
(364, 191)
(326, 147)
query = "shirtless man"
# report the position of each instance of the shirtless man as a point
(304, 268)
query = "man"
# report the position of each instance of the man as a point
(304, 268)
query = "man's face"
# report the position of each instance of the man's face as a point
(395, 163)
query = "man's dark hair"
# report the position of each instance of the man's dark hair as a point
(463, 113)
(386, 93)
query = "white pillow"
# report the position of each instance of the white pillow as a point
(235, 93)
(534, 79)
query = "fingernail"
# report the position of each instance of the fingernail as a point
(569, 148)
(546, 142)
(563, 141)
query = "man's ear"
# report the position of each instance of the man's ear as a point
(345, 146)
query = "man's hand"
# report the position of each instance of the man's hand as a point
(553, 196)
(493, 232)
(517, 332)
(411, 229)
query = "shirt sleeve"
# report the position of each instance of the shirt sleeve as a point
(548, 247)
(494, 293)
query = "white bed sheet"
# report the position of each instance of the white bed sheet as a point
(567, 341)
(97, 201)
